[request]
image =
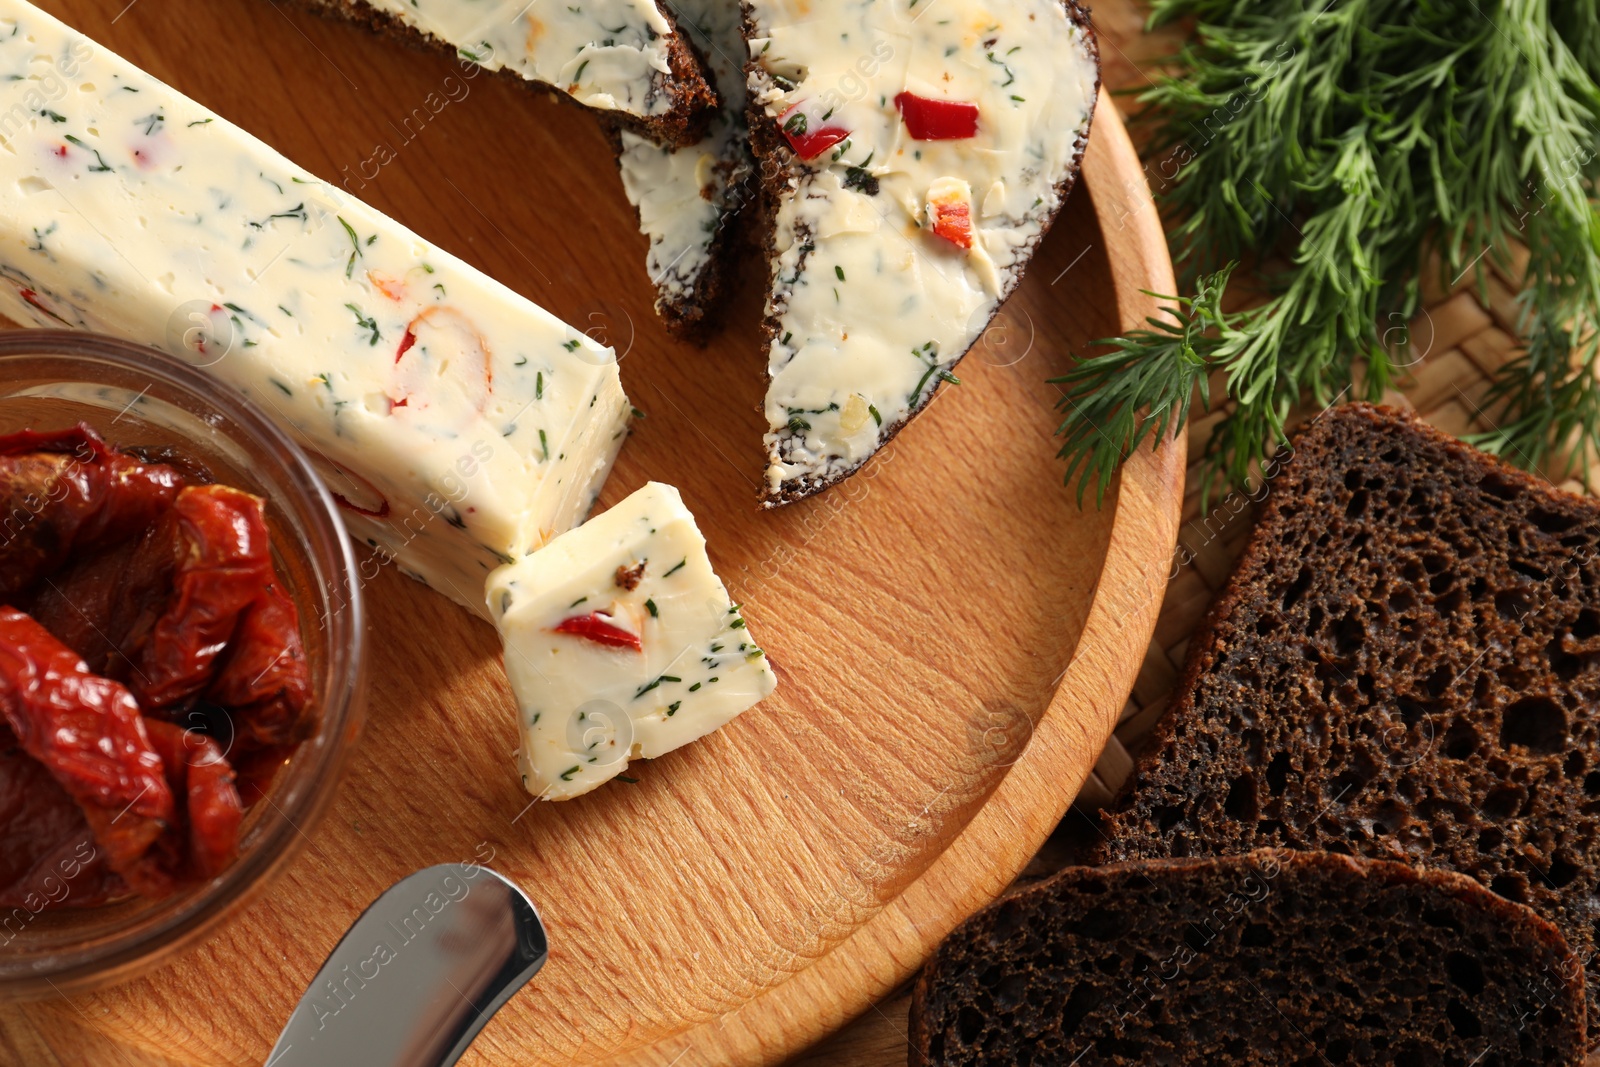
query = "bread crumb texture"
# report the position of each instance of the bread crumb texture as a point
(1274, 957)
(1405, 665)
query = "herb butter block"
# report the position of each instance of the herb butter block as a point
(625, 58)
(917, 154)
(688, 197)
(620, 643)
(460, 425)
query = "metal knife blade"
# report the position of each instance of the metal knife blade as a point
(418, 974)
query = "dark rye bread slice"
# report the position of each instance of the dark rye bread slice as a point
(778, 166)
(694, 99)
(692, 312)
(1275, 957)
(1406, 665)
(692, 279)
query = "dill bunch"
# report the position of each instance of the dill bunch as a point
(1346, 148)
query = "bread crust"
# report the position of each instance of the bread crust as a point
(987, 939)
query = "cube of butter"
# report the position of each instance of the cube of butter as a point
(620, 643)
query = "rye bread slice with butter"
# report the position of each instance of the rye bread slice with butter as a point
(1274, 957)
(796, 468)
(1405, 664)
(693, 282)
(692, 99)
(691, 201)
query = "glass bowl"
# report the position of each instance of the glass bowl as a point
(139, 397)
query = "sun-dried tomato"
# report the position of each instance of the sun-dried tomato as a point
(66, 493)
(163, 615)
(224, 563)
(103, 607)
(204, 836)
(265, 682)
(50, 858)
(167, 589)
(87, 732)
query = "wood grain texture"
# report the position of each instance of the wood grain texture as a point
(955, 638)
(1459, 340)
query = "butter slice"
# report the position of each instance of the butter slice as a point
(606, 54)
(587, 704)
(866, 299)
(460, 425)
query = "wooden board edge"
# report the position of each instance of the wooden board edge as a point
(1004, 835)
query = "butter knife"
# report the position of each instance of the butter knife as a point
(418, 974)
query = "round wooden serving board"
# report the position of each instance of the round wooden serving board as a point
(955, 637)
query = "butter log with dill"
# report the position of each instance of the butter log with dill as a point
(459, 425)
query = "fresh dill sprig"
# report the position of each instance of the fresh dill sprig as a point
(1138, 374)
(1345, 148)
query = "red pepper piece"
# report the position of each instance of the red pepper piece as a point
(48, 857)
(414, 381)
(265, 681)
(600, 629)
(204, 837)
(66, 493)
(937, 120)
(215, 811)
(809, 139)
(87, 733)
(224, 562)
(953, 222)
(33, 301)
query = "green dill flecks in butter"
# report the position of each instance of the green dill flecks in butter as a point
(606, 54)
(605, 670)
(934, 150)
(128, 207)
